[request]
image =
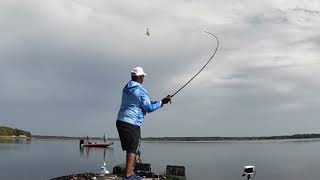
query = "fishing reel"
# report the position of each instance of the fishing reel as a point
(249, 171)
(169, 97)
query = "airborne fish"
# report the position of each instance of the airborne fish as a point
(148, 32)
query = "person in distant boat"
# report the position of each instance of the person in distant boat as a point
(88, 142)
(135, 104)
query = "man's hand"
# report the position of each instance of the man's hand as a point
(166, 100)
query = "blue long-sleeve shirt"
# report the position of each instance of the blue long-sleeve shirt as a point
(135, 104)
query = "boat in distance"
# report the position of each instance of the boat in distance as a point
(97, 145)
(88, 143)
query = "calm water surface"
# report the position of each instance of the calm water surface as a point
(283, 160)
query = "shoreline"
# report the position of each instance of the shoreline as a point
(192, 139)
(14, 138)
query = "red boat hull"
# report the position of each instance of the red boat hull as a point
(97, 145)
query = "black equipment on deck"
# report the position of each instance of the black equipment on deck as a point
(175, 170)
(144, 170)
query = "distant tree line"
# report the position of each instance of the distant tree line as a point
(295, 136)
(7, 131)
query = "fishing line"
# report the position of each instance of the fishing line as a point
(201, 68)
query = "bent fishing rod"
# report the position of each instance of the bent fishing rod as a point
(214, 53)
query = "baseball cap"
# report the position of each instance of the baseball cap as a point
(138, 71)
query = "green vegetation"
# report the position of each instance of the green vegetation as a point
(70, 138)
(6, 138)
(190, 139)
(9, 132)
(295, 136)
(56, 137)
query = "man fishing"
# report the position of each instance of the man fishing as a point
(135, 104)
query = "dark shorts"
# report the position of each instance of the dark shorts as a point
(130, 136)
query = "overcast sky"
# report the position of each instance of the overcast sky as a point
(63, 64)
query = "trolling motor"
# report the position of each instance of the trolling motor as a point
(81, 142)
(249, 171)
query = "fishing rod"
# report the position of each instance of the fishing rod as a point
(214, 53)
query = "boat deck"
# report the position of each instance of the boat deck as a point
(142, 169)
(94, 176)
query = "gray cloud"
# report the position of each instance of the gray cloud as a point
(64, 63)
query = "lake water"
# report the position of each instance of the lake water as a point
(283, 160)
